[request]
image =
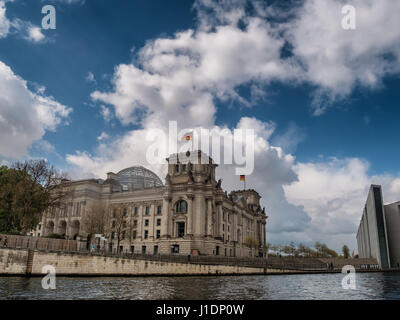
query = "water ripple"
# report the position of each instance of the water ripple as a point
(311, 286)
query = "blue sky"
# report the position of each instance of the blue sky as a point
(352, 142)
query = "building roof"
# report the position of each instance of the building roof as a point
(138, 177)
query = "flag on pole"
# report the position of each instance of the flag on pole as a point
(188, 137)
(243, 178)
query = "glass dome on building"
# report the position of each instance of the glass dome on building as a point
(138, 177)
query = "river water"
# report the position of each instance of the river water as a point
(309, 286)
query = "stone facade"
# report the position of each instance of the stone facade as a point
(190, 214)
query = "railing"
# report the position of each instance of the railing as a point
(27, 242)
(301, 264)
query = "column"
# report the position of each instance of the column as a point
(165, 218)
(140, 223)
(220, 222)
(264, 234)
(209, 217)
(152, 221)
(189, 229)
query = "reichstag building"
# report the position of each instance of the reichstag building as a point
(189, 214)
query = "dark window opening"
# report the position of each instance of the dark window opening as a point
(181, 206)
(175, 248)
(181, 229)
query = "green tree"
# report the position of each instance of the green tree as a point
(27, 189)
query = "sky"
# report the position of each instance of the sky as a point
(322, 100)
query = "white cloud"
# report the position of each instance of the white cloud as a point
(90, 77)
(35, 34)
(183, 75)
(24, 116)
(338, 60)
(106, 113)
(103, 136)
(28, 31)
(333, 193)
(4, 22)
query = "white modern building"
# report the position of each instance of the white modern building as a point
(378, 234)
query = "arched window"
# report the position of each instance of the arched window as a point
(181, 206)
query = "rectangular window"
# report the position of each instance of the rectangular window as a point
(191, 167)
(136, 211)
(177, 168)
(158, 222)
(158, 209)
(158, 235)
(146, 234)
(175, 248)
(143, 249)
(147, 210)
(180, 229)
(155, 250)
(146, 222)
(184, 168)
(134, 223)
(134, 234)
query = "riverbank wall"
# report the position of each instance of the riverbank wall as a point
(32, 262)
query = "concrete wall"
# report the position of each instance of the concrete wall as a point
(392, 216)
(371, 236)
(14, 261)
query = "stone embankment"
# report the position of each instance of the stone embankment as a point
(24, 261)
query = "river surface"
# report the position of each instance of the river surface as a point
(309, 286)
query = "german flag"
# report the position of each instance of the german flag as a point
(187, 137)
(242, 177)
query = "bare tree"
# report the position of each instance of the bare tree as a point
(97, 220)
(120, 224)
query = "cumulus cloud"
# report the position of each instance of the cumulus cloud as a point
(25, 116)
(333, 193)
(184, 74)
(28, 31)
(337, 60)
